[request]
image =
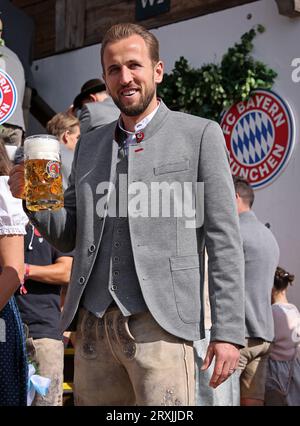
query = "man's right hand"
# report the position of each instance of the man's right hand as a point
(16, 181)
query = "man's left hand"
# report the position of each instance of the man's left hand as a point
(227, 359)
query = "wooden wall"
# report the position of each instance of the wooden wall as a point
(63, 25)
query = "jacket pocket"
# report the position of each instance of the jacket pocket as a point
(172, 167)
(185, 272)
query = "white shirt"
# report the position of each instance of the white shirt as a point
(12, 217)
(131, 136)
(287, 332)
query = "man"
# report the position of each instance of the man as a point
(66, 128)
(261, 254)
(46, 271)
(136, 282)
(21, 43)
(95, 105)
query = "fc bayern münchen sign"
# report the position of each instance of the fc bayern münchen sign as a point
(8, 97)
(260, 137)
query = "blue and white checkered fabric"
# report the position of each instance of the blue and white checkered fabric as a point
(252, 138)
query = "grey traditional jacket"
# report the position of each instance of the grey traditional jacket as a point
(175, 147)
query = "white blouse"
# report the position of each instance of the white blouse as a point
(12, 217)
(287, 332)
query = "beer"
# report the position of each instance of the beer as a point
(43, 180)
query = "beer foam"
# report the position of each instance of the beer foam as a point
(42, 147)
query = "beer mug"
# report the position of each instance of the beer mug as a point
(43, 180)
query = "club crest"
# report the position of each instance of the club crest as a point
(259, 135)
(8, 97)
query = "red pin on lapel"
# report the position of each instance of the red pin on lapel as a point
(139, 137)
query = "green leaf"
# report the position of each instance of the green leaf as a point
(208, 90)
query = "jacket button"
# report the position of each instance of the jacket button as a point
(114, 287)
(92, 248)
(81, 280)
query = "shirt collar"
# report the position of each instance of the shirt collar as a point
(157, 121)
(143, 123)
(247, 214)
(139, 126)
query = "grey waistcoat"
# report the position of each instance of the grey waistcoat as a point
(114, 267)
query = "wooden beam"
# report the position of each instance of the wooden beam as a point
(63, 25)
(69, 24)
(43, 14)
(100, 17)
(75, 24)
(25, 3)
(290, 8)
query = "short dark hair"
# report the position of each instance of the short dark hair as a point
(244, 190)
(124, 30)
(282, 279)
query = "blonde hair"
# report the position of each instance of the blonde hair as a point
(62, 122)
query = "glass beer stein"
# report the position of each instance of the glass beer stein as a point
(43, 180)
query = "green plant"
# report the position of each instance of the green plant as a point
(208, 90)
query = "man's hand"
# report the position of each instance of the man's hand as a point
(227, 359)
(16, 181)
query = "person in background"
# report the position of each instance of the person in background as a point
(283, 375)
(12, 130)
(96, 108)
(46, 271)
(66, 128)
(228, 393)
(18, 34)
(47, 274)
(13, 361)
(261, 253)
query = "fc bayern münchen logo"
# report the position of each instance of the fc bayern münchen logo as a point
(259, 135)
(8, 96)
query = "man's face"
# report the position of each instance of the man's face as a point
(130, 75)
